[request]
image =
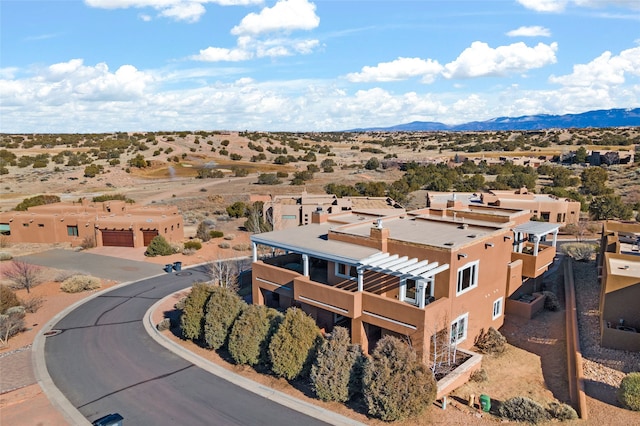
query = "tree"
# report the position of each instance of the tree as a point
(256, 222)
(594, 181)
(396, 385)
(92, 170)
(159, 246)
(292, 346)
(581, 155)
(268, 179)
(336, 374)
(223, 273)
(237, 209)
(192, 318)
(204, 229)
(23, 275)
(222, 309)
(38, 200)
(609, 207)
(372, 164)
(251, 334)
(11, 323)
(138, 161)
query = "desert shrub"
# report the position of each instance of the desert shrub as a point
(230, 237)
(192, 318)
(163, 325)
(188, 251)
(292, 347)
(242, 247)
(5, 256)
(63, 275)
(88, 242)
(193, 244)
(479, 376)
(224, 245)
(78, 283)
(551, 302)
(221, 310)
(38, 200)
(579, 251)
(396, 385)
(336, 374)
(562, 412)
(159, 246)
(523, 409)
(204, 229)
(491, 342)
(629, 391)
(251, 334)
(8, 299)
(32, 304)
(179, 305)
(216, 234)
(11, 323)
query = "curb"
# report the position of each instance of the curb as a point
(238, 380)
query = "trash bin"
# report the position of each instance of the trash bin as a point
(168, 267)
(177, 266)
(114, 419)
(485, 403)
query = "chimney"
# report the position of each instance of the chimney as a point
(319, 216)
(379, 235)
(454, 203)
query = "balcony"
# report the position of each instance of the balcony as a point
(534, 264)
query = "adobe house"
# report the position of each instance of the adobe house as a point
(110, 223)
(619, 269)
(417, 275)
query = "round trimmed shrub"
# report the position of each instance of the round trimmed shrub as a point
(8, 299)
(523, 409)
(251, 334)
(159, 246)
(222, 309)
(629, 391)
(192, 318)
(396, 385)
(78, 283)
(192, 245)
(562, 412)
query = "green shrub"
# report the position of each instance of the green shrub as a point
(221, 310)
(396, 385)
(562, 412)
(523, 409)
(216, 234)
(8, 299)
(490, 342)
(193, 245)
(38, 200)
(78, 283)
(551, 302)
(192, 318)
(629, 391)
(159, 246)
(251, 334)
(109, 197)
(336, 374)
(292, 347)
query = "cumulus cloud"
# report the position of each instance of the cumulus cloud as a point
(604, 71)
(217, 54)
(400, 69)
(180, 10)
(560, 5)
(544, 5)
(285, 15)
(532, 31)
(482, 60)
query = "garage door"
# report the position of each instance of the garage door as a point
(117, 238)
(149, 235)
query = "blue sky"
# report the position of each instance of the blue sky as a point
(74, 66)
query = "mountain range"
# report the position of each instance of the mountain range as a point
(629, 117)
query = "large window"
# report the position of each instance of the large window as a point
(467, 277)
(459, 329)
(346, 271)
(72, 231)
(497, 308)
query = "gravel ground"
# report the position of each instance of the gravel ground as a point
(601, 365)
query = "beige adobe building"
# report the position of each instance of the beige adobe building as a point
(619, 268)
(110, 223)
(421, 275)
(544, 207)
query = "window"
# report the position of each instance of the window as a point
(467, 277)
(497, 308)
(5, 229)
(459, 329)
(289, 217)
(410, 295)
(41, 225)
(346, 271)
(72, 231)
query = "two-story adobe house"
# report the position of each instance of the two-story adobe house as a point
(414, 274)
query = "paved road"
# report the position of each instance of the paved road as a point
(105, 362)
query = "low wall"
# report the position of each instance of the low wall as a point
(460, 375)
(525, 309)
(574, 354)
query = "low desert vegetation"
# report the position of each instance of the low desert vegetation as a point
(523, 409)
(491, 342)
(579, 251)
(629, 391)
(159, 246)
(79, 283)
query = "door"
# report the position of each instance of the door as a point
(123, 238)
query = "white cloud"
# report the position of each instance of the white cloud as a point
(544, 5)
(533, 31)
(604, 71)
(285, 15)
(399, 69)
(189, 12)
(481, 60)
(217, 54)
(560, 5)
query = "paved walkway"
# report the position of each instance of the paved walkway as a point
(16, 370)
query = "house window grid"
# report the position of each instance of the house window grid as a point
(342, 268)
(459, 328)
(467, 277)
(497, 308)
(72, 230)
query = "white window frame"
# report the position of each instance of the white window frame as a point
(347, 267)
(497, 313)
(475, 265)
(464, 319)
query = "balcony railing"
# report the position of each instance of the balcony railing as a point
(534, 264)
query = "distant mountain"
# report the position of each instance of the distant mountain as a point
(596, 119)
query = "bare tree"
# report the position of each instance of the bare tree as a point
(23, 275)
(11, 323)
(224, 273)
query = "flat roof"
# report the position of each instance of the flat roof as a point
(624, 267)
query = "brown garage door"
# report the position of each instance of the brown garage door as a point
(117, 238)
(148, 235)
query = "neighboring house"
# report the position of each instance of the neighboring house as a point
(619, 268)
(110, 223)
(416, 275)
(543, 207)
(290, 211)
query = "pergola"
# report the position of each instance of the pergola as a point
(536, 230)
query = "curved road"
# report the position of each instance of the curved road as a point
(104, 362)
